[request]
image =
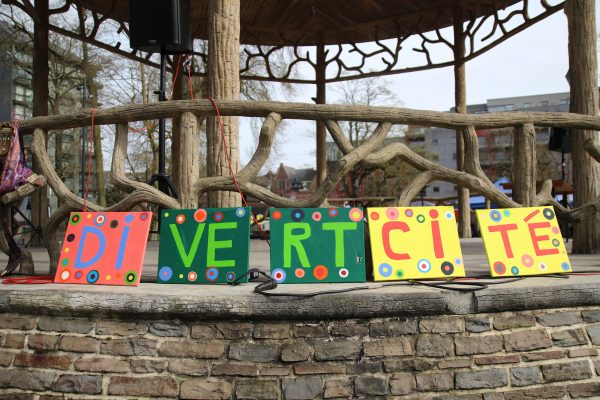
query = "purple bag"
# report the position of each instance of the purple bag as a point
(14, 172)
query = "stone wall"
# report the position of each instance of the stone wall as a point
(549, 354)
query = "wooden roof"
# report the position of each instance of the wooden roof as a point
(311, 22)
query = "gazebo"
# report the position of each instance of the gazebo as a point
(330, 38)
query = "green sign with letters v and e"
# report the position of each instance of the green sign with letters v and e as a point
(207, 245)
(317, 245)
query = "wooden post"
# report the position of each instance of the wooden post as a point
(524, 165)
(583, 79)
(189, 160)
(460, 101)
(223, 84)
(321, 128)
(176, 148)
(40, 70)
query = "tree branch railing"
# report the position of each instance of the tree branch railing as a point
(369, 153)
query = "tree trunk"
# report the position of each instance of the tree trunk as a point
(583, 79)
(321, 144)
(524, 165)
(223, 84)
(189, 160)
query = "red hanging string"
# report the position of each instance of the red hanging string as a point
(89, 165)
(190, 77)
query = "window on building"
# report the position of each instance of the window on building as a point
(527, 105)
(23, 94)
(434, 141)
(454, 156)
(281, 185)
(436, 189)
(20, 111)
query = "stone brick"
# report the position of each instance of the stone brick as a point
(469, 345)
(205, 331)
(268, 370)
(128, 347)
(119, 328)
(503, 359)
(71, 325)
(338, 388)
(235, 330)
(343, 328)
(594, 334)
(258, 352)
(148, 365)
(542, 392)
(43, 360)
(231, 369)
(80, 384)
(477, 324)
(101, 364)
(583, 352)
(192, 349)
(272, 331)
(493, 396)
(27, 380)
(79, 344)
(591, 316)
(314, 368)
(205, 389)
(257, 389)
(26, 396)
(435, 346)
(303, 388)
(371, 385)
(151, 386)
(166, 329)
(295, 350)
(393, 328)
(337, 349)
(310, 331)
(6, 358)
(481, 379)
(527, 340)
(590, 389)
(14, 340)
(597, 367)
(390, 347)
(365, 367)
(514, 321)
(408, 365)
(566, 371)
(569, 337)
(402, 384)
(41, 342)
(436, 382)
(18, 322)
(526, 376)
(188, 367)
(442, 325)
(455, 363)
(560, 318)
(543, 355)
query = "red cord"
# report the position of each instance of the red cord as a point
(190, 80)
(89, 166)
(27, 280)
(237, 186)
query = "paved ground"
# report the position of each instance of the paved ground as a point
(473, 253)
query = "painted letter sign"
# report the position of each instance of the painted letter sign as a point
(523, 241)
(207, 245)
(311, 245)
(104, 248)
(414, 243)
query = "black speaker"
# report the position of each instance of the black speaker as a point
(160, 25)
(560, 140)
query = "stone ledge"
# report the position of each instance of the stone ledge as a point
(240, 303)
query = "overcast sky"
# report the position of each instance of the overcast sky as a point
(534, 61)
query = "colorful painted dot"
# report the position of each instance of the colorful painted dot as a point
(548, 213)
(100, 220)
(433, 213)
(506, 213)
(67, 250)
(392, 213)
(424, 265)
(70, 237)
(556, 242)
(144, 216)
(344, 273)
(385, 270)
(449, 215)
(75, 218)
(299, 272)
(320, 272)
(447, 268)
(166, 214)
(65, 275)
(297, 215)
(180, 276)
(219, 216)
(279, 275)
(420, 218)
(555, 230)
(514, 270)
(565, 266)
(212, 274)
(200, 215)
(230, 276)
(130, 277)
(180, 219)
(374, 216)
(93, 276)
(399, 273)
(276, 215)
(114, 223)
(408, 212)
(316, 216)
(457, 261)
(165, 273)
(128, 218)
(499, 268)
(495, 216)
(332, 212)
(89, 216)
(527, 260)
(542, 266)
(108, 277)
(192, 276)
(240, 212)
(65, 262)
(355, 214)
(78, 274)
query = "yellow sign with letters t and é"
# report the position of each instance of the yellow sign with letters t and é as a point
(523, 241)
(414, 243)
